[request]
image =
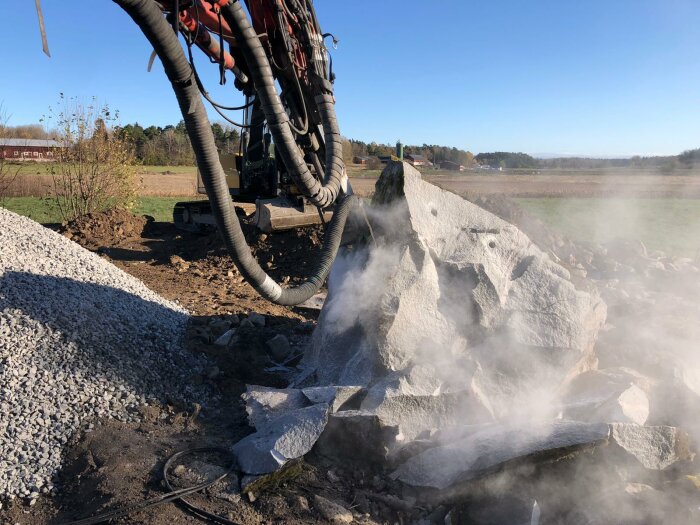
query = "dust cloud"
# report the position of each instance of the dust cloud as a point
(646, 366)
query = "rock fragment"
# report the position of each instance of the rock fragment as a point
(279, 440)
(334, 396)
(607, 396)
(264, 404)
(356, 437)
(279, 348)
(331, 511)
(224, 340)
(482, 452)
(257, 319)
(652, 448)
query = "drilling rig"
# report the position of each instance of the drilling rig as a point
(290, 162)
(274, 54)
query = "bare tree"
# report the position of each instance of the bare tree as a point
(94, 166)
(8, 172)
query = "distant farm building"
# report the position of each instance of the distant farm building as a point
(360, 160)
(451, 166)
(417, 160)
(384, 159)
(40, 150)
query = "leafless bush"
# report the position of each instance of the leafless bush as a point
(8, 173)
(94, 167)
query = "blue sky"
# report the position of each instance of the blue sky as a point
(600, 77)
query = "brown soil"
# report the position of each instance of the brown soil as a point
(96, 229)
(119, 464)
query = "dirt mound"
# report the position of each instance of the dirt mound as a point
(288, 256)
(104, 228)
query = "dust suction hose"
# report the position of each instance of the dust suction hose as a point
(149, 18)
(321, 195)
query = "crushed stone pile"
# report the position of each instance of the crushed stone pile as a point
(79, 340)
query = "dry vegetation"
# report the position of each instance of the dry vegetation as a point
(7, 172)
(94, 170)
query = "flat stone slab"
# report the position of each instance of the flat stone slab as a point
(286, 437)
(634, 448)
(264, 404)
(482, 452)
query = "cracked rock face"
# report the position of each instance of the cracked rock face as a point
(454, 303)
(452, 317)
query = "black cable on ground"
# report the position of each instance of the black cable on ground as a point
(173, 495)
(149, 18)
(186, 504)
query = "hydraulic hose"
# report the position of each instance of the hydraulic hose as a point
(149, 17)
(320, 194)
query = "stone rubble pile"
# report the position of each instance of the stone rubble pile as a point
(79, 340)
(476, 369)
(462, 361)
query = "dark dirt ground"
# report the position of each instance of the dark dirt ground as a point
(119, 464)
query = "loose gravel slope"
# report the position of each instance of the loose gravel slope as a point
(79, 339)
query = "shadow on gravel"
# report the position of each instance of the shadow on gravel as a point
(126, 255)
(122, 338)
(115, 336)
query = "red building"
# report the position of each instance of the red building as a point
(40, 150)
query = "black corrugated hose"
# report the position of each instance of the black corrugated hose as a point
(149, 17)
(321, 195)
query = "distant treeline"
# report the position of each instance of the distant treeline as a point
(670, 162)
(502, 159)
(29, 131)
(170, 145)
(434, 153)
(687, 159)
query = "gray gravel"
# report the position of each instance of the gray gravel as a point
(79, 340)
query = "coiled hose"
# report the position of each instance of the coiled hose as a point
(321, 195)
(149, 18)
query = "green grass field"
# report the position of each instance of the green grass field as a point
(44, 211)
(160, 208)
(669, 225)
(41, 210)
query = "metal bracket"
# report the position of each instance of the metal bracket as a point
(42, 29)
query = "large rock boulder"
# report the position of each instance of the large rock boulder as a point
(452, 313)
